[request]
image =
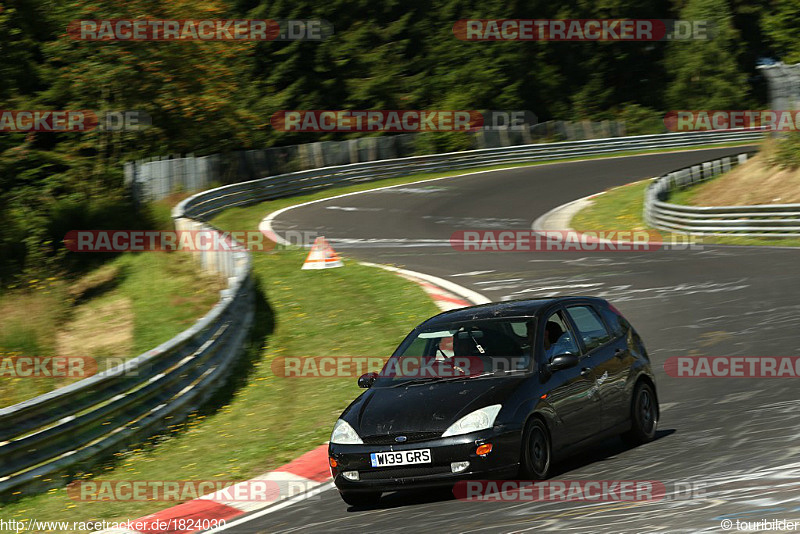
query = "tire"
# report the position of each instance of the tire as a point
(537, 451)
(644, 415)
(360, 499)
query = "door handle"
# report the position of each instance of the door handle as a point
(586, 371)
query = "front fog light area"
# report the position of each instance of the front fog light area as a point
(457, 467)
(350, 475)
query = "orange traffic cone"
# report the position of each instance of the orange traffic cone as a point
(322, 256)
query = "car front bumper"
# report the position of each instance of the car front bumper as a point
(502, 462)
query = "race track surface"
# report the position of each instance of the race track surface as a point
(735, 437)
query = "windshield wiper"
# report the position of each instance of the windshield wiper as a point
(414, 381)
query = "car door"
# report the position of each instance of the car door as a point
(602, 353)
(570, 391)
(619, 368)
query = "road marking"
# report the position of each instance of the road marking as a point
(351, 208)
(374, 242)
(418, 190)
(664, 406)
(551, 288)
(472, 273)
(735, 397)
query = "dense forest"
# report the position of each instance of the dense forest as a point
(206, 97)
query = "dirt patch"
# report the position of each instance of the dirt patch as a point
(755, 182)
(100, 328)
(95, 283)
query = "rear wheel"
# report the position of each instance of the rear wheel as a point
(644, 415)
(360, 499)
(537, 451)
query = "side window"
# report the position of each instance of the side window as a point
(556, 338)
(418, 347)
(590, 327)
(616, 322)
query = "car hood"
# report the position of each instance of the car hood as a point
(426, 407)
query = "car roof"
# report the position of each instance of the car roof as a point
(506, 309)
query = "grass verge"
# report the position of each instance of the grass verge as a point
(621, 208)
(112, 313)
(756, 182)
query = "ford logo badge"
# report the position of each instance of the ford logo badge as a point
(400, 439)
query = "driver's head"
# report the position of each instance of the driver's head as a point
(552, 332)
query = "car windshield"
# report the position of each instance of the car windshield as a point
(460, 351)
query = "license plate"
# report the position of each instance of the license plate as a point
(386, 459)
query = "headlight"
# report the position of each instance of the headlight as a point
(477, 420)
(343, 434)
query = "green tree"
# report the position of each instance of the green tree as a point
(705, 74)
(781, 26)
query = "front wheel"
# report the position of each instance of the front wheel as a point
(536, 452)
(360, 499)
(644, 416)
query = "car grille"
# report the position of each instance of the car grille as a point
(404, 472)
(412, 437)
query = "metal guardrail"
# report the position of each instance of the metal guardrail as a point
(777, 220)
(46, 440)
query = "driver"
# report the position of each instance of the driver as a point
(557, 341)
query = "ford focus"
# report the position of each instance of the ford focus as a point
(500, 390)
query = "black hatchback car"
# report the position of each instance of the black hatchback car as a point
(495, 391)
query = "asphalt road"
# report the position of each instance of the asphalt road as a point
(734, 439)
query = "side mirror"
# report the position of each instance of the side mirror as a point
(563, 361)
(366, 380)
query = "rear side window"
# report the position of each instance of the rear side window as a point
(616, 322)
(590, 328)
